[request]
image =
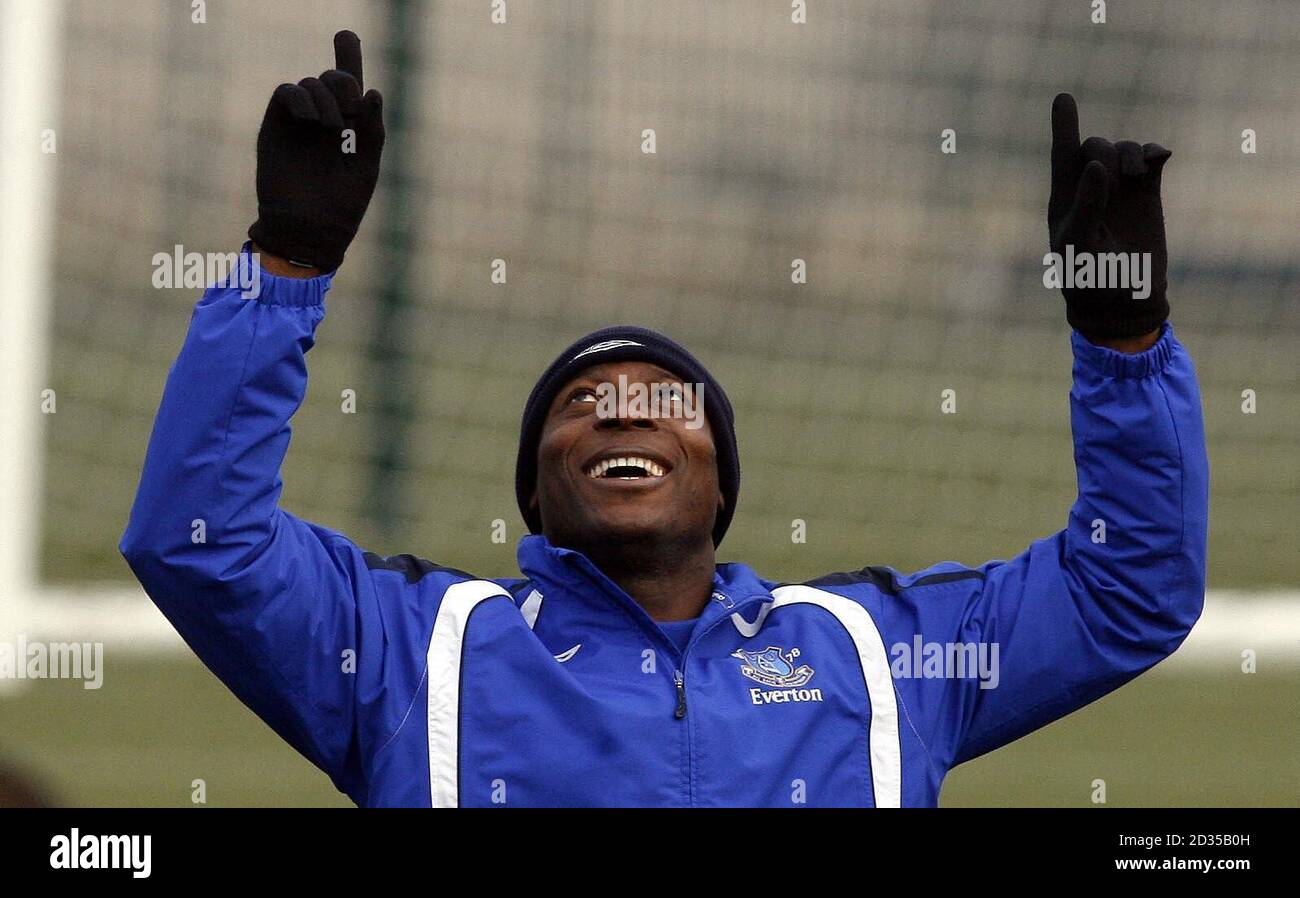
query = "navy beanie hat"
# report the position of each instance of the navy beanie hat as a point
(624, 343)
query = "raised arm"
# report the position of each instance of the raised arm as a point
(270, 603)
(1083, 611)
(1086, 610)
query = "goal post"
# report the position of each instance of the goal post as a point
(29, 94)
(30, 68)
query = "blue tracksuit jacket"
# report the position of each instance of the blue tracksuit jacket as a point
(410, 683)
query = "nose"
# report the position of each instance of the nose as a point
(630, 418)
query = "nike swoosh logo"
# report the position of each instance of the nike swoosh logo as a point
(565, 656)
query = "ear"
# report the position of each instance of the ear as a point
(532, 503)
(722, 503)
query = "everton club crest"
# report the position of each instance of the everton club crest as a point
(772, 668)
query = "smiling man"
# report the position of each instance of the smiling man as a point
(646, 498)
(626, 666)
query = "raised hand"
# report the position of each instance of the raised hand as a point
(1106, 200)
(318, 161)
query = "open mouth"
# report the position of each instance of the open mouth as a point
(625, 467)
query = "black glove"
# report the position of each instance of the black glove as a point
(311, 195)
(1106, 199)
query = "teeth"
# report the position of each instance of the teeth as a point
(652, 468)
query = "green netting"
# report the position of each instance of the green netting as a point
(775, 141)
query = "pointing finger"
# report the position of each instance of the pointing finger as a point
(1065, 160)
(1065, 129)
(347, 55)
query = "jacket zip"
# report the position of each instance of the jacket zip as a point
(679, 677)
(679, 680)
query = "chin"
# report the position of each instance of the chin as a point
(623, 527)
(630, 531)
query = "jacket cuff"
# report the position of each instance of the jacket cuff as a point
(1113, 363)
(256, 283)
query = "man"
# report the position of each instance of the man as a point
(626, 666)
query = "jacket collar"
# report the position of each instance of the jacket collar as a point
(558, 571)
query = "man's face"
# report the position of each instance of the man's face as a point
(676, 495)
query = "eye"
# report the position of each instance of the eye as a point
(582, 394)
(671, 393)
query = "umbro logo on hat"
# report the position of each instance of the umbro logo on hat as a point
(603, 345)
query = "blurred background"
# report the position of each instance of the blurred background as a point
(774, 141)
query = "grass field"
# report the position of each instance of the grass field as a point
(1189, 736)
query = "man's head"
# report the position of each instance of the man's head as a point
(681, 473)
